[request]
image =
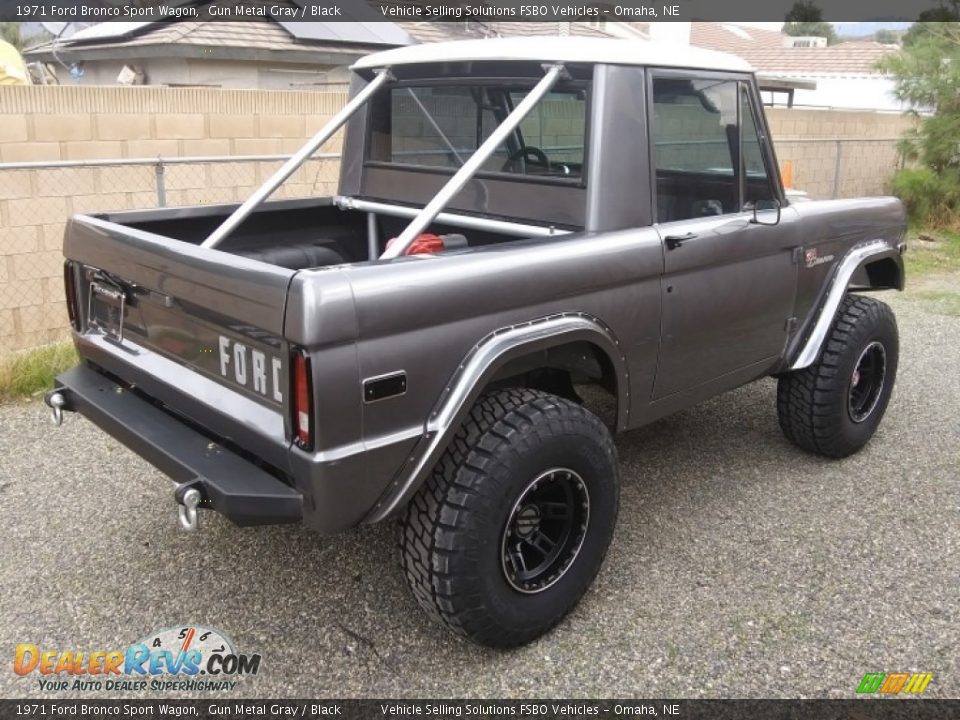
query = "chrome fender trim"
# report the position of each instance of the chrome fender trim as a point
(837, 289)
(468, 381)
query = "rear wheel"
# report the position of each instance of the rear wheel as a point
(833, 407)
(509, 531)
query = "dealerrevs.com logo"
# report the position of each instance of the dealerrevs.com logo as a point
(185, 658)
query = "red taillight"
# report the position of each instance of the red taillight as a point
(302, 405)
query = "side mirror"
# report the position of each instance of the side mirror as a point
(766, 212)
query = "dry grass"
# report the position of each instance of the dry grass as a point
(31, 372)
(939, 252)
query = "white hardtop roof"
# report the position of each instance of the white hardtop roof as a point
(559, 49)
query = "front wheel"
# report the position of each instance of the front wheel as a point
(833, 407)
(511, 528)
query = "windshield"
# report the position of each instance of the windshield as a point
(441, 126)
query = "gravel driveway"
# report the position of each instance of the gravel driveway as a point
(740, 566)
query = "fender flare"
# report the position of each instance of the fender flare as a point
(473, 374)
(854, 260)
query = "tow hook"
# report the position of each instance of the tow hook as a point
(188, 498)
(56, 402)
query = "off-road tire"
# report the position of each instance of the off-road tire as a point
(454, 530)
(815, 404)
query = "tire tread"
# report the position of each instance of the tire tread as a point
(807, 399)
(432, 527)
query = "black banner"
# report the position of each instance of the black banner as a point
(452, 10)
(442, 709)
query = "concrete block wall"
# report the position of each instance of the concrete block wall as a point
(83, 123)
(806, 140)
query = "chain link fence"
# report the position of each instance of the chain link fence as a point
(827, 168)
(37, 198)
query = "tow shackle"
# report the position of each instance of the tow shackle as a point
(188, 497)
(56, 401)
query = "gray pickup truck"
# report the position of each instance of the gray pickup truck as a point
(517, 220)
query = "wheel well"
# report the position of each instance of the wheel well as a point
(580, 371)
(880, 274)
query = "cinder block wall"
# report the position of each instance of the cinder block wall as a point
(868, 149)
(83, 123)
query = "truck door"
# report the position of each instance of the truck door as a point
(729, 282)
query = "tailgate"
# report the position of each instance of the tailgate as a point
(197, 329)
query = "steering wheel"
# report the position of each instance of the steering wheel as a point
(527, 152)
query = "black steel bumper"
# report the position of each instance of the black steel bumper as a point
(228, 483)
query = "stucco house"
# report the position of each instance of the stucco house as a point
(255, 53)
(841, 76)
(231, 54)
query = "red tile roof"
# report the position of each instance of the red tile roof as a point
(733, 38)
(765, 50)
(849, 58)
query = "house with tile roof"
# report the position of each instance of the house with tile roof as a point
(844, 76)
(256, 53)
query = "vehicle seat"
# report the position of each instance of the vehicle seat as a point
(299, 256)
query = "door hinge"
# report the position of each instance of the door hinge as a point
(790, 325)
(797, 255)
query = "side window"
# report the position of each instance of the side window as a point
(757, 185)
(694, 136)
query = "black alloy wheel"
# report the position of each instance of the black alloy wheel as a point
(545, 530)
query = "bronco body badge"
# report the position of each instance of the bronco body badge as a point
(811, 259)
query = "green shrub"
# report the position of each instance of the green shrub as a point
(932, 198)
(927, 78)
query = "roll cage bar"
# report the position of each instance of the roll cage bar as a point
(469, 167)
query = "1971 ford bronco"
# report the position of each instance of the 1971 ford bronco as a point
(517, 219)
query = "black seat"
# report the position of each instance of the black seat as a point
(299, 256)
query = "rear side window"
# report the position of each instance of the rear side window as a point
(440, 126)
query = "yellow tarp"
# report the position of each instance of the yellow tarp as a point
(13, 71)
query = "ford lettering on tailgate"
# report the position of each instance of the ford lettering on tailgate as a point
(253, 369)
(243, 357)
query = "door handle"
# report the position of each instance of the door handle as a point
(675, 241)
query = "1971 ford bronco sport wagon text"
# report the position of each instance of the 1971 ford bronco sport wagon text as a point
(517, 219)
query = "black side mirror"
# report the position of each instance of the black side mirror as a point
(766, 212)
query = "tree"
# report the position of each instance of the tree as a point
(806, 19)
(927, 77)
(10, 31)
(929, 20)
(886, 36)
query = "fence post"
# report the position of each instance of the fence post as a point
(836, 170)
(161, 183)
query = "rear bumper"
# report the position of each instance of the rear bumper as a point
(229, 484)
